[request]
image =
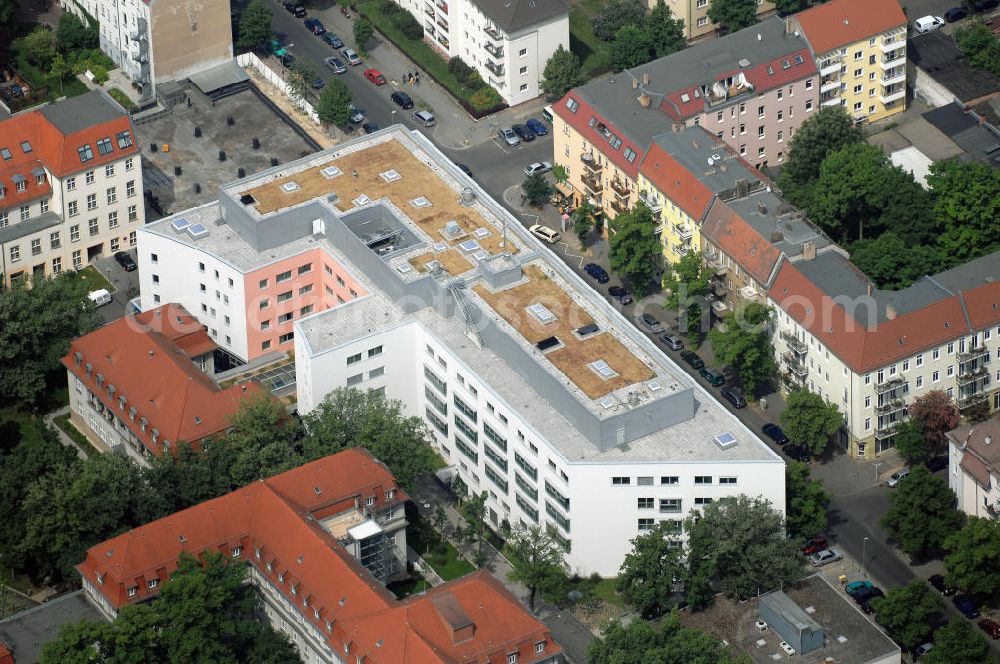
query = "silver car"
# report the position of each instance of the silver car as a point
(424, 118)
(336, 65)
(825, 557)
(507, 135)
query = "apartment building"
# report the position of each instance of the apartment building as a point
(974, 468)
(508, 43)
(153, 41)
(750, 89)
(871, 352)
(142, 384)
(859, 47)
(295, 533)
(694, 14)
(70, 186)
(534, 388)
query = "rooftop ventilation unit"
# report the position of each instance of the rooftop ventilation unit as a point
(541, 313)
(685, 98)
(439, 246)
(420, 202)
(180, 224)
(331, 172)
(390, 175)
(607, 403)
(289, 187)
(361, 200)
(602, 369)
(247, 199)
(197, 231)
(469, 246)
(725, 440)
(405, 268)
(590, 328)
(481, 255)
(743, 62)
(481, 233)
(654, 386)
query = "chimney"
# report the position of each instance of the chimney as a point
(635, 84)
(645, 78)
(871, 289)
(808, 251)
(777, 236)
(987, 440)
(644, 100)
(890, 311)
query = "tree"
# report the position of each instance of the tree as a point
(957, 641)
(806, 502)
(966, 202)
(669, 643)
(686, 279)
(634, 251)
(584, 221)
(363, 31)
(262, 440)
(894, 264)
(692, 322)
(666, 33)
(189, 477)
(255, 26)
(59, 68)
(860, 193)
(560, 174)
(537, 560)
(36, 327)
(825, 131)
(536, 188)
(745, 345)
(39, 47)
(937, 415)
(335, 103)
(789, 7)
(741, 542)
(648, 573)
(980, 47)
(299, 80)
(632, 47)
(973, 559)
(906, 612)
(615, 15)
(732, 15)
(922, 513)
(562, 73)
(348, 418)
(911, 443)
(810, 421)
(73, 35)
(473, 510)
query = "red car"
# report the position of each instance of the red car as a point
(991, 627)
(815, 545)
(375, 76)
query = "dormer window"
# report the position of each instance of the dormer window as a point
(22, 185)
(512, 658)
(540, 647)
(40, 179)
(369, 501)
(316, 614)
(256, 552)
(152, 583)
(85, 152)
(100, 578)
(390, 494)
(281, 578)
(133, 590)
(236, 551)
(295, 589)
(104, 146)
(347, 647)
(269, 566)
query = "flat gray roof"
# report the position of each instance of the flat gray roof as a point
(219, 76)
(24, 228)
(691, 148)
(769, 216)
(26, 632)
(78, 113)
(937, 54)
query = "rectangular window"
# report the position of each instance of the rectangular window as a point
(25, 212)
(471, 454)
(440, 425)
(495, 478)
(526, 507)
(104, 146)
(531, 471)
(355, 379)
(133, 213)
(668, 479)
(85, 153)
(304, 269)
(57, 265)
(670, 505)
(727, 480)
(306, 289)
(72, 208)
(494, 436)
(285, 338)
(645, 503)
(36, 247)
(284, 297)
(465, 409)
(70, 184)
(496, 458)
(92, 201)
(645, 524)
(109, 170)
(621, 481)
(113, 219)
(130, 188)
(703, 479)
(373, 352)
(441, 386)
(284, 276)
(354, 359)
(465, 428)
(284, 318)
(15, 253)
(89, 177)
(54, 240)
(92, 226)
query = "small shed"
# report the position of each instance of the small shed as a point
(791, 622)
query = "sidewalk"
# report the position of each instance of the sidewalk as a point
(49, 420)
(570, 633)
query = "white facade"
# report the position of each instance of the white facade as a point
(511, 61)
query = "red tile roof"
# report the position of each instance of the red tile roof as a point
(676, 182)
(275, 525)
(770, 75)
(738, 239)
(5, 655)
(147, 358)
(32, 190)
(580, 121)
(842, 22)
(983, 304)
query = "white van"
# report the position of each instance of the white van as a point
(547, 113)
(928, 23)
(100, 297)
(544, 233)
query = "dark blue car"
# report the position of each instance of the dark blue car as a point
(333, 40)
(539, 128)
(775, 433)
(598, 273)
(966, 606)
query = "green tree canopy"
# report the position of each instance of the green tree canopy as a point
(536, 188)
(36, 327)
(906, 612)
(894, 264)
(980, 47)
(686, 279)
(668, 643)
(363, 31)
(744, 344)
(937, 414)
(300, 79)
(633, 46)
(957, 641)
(922, 513)
(562, 73)
(189, 477)
(911, 443)
(39, 47)
(806, 502)
(348, 418)
(741, 541)
(967, 203)
(615, 14)
(789, 7)
(73, 35)
(824, 131)
(335, 103)
(647, 575)
(810, 421)
(584, 222)
(732, 15)
(634, 251)
(973, 559)
(261, 439)
(255, 26)
(537, 560)
(665, 32)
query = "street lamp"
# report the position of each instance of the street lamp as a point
(864, 557)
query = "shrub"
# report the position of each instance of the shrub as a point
(484, 98)
(460, 70)
(389, 8)
(407, 24)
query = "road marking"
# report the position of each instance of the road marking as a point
(496, 142)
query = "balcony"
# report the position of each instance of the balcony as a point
(443, 24)
(748, 292)
(886, 430)
(892, 60)
(891, 93)
(619, 206)
(971, 375)
(794, 344)
(993, 511)
(443, 6)
(829, 84)
(429, 11)
(894, 76)
(620, 188)
(973, 354)
(830, 100)
(890, 406)
(795, 367)
(493, 33)
(592, 184)
(830, 66)
(590, 164)
(892, 44)
(970, 400)
(651, 202)
(683, 231)
(890, 385)
(679, 250)
(495, 51)
(495, 68)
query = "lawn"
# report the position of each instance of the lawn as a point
(122, 99)
(437, 551)
(411, 586)
(594, 54)
(605, 591)
(63, 423)
(95, 280)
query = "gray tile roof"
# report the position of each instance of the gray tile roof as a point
(512, 16)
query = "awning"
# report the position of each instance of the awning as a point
(218, 77)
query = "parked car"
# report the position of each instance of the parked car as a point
(294, 9)
(650, 323)
(544, 233)
(287, 60)
(797, 453)
(336, 65)
(941, 585)
(774, 432)
(825, 557)
(927, 23)
(868, 594)
(937, 463)
(375, 76)
(537, 167)
(318, 83)
(523, 133)
(289, 7)
(692, 359)
(402, 100)
(126, 261)
(370, 127)
(357, 115)
(672, 340)
(966, 606)
(537, 126)
(351, 56)
(713, 376)
(984, 5)
(508, 136)
(923, 649)
(620, 294)
(424, 118)
(733, 396)
(818, 543)
(314, 26)
(866, 606)
(897, 477)
(991, 627)
(465, 169)
(597, 273)
(955, 14)
(333, 40)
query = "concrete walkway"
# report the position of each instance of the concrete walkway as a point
(49, 420)
(569, 632)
